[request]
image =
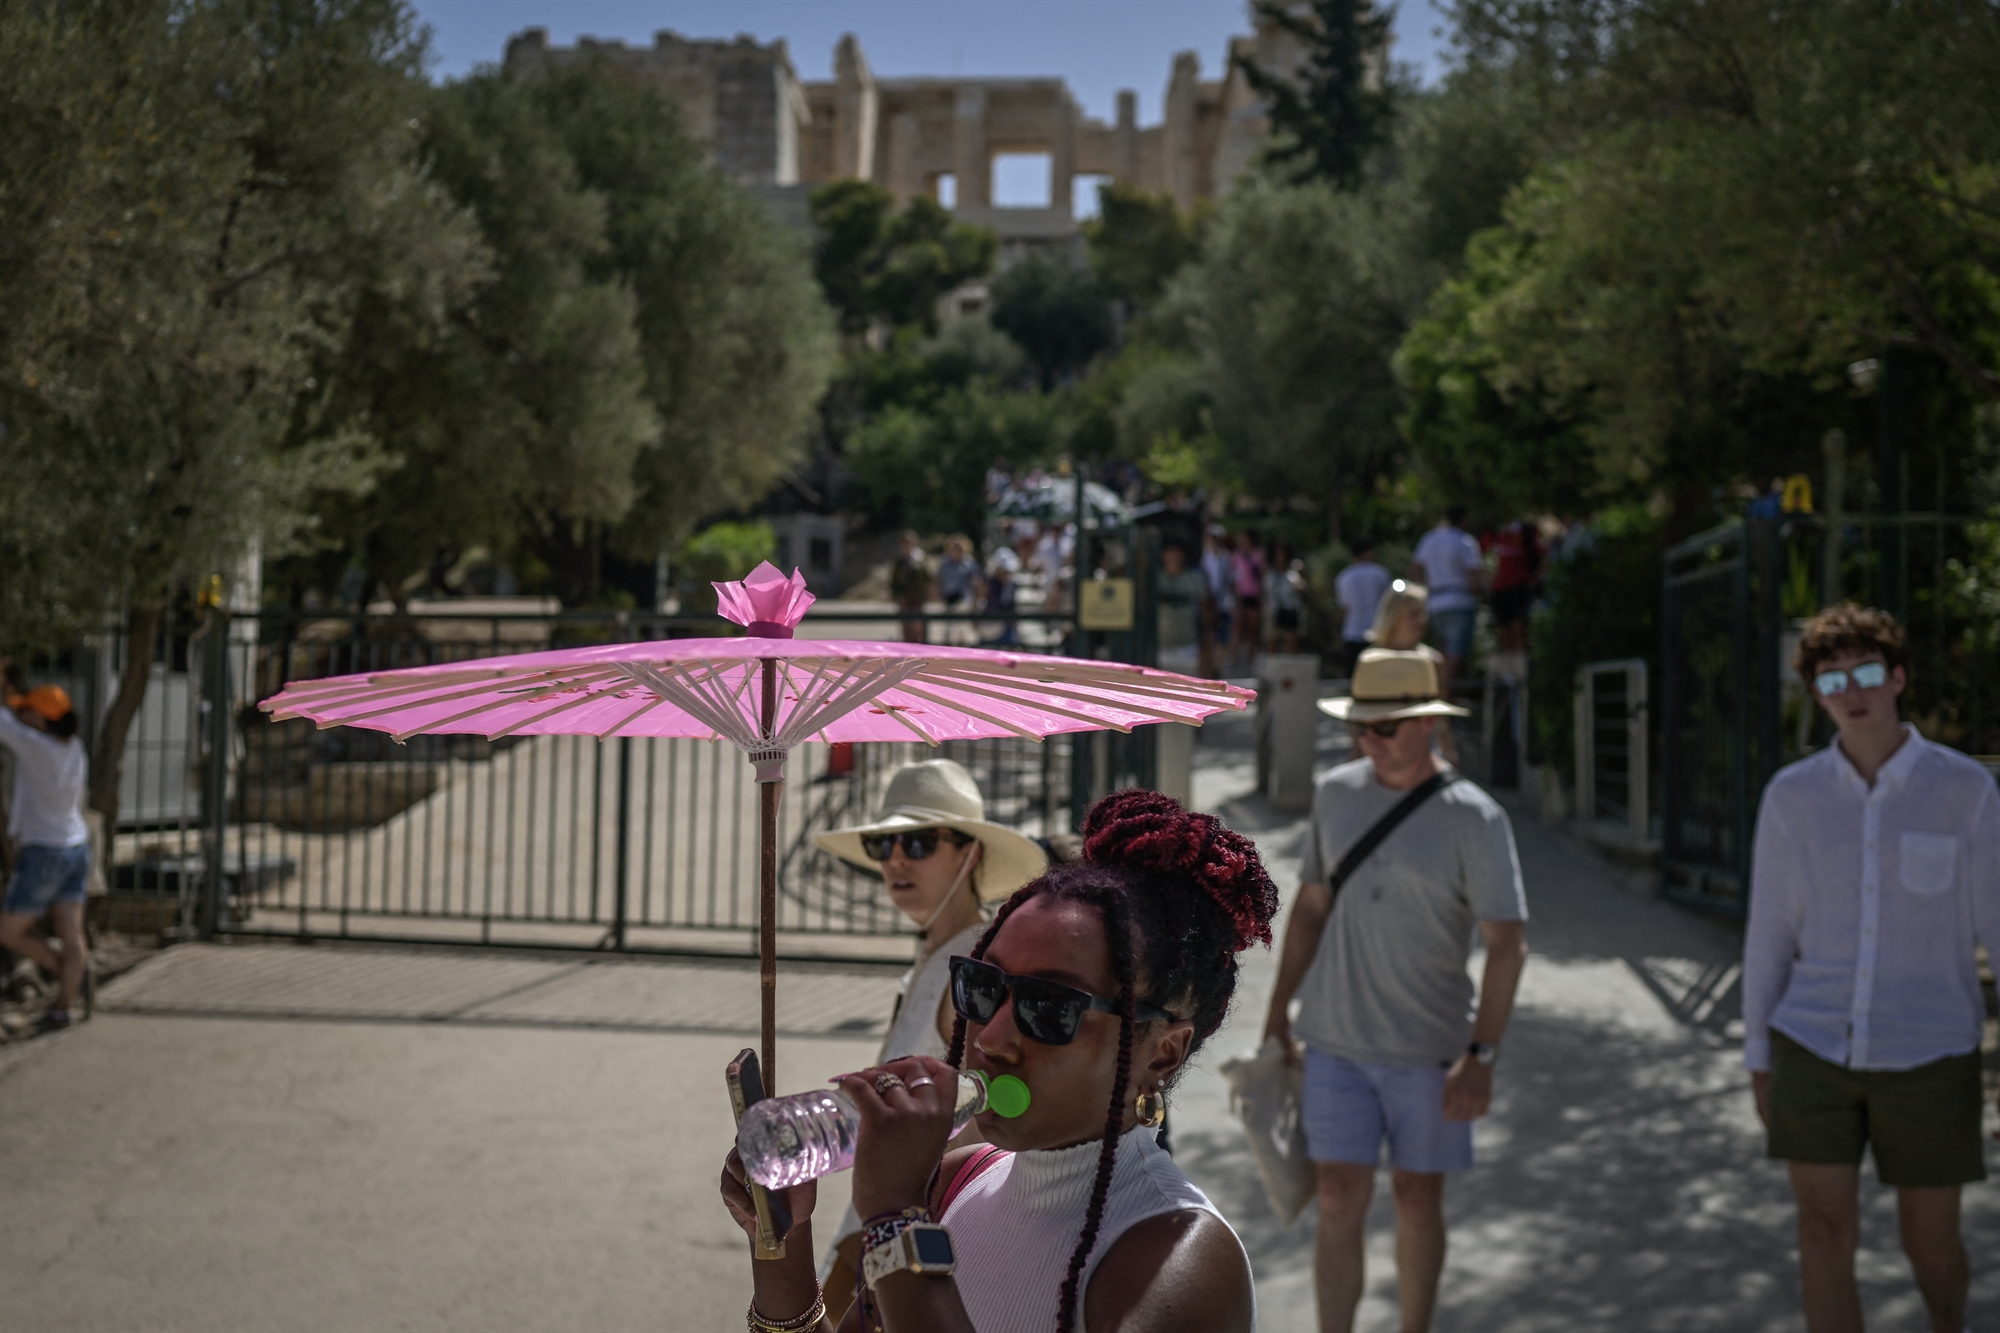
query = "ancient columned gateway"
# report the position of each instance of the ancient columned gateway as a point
(780, 134)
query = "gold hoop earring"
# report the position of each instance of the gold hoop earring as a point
(1151, 1108)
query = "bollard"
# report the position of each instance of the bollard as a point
(1288, 716)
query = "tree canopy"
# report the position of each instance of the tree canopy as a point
(1338, 108)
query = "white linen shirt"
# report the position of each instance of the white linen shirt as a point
(1865, 905)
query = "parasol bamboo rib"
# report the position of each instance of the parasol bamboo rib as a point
(1112, 685)
(891, 676)
(970, 711)
(1118, 682)
(686, 694)
(895, 714)
(1107, 691)
(552, 682)
(1042, 705)
(1040, 698)
(540, 718)
(645, 707)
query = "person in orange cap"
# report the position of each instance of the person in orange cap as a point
(45, 820)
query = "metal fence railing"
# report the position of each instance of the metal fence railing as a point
(1612, 763)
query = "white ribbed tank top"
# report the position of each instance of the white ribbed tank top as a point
(1014, 1226)
(912, 1031)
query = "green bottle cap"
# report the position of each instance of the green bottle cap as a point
(1007, 1097)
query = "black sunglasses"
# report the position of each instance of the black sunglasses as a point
(918, 843)
(1045, 1011)
(1386, 730)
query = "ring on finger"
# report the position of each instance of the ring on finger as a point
(886, 1081)
(921, 1081)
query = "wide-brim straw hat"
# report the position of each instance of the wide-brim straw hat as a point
(938, 793)
(1389, 684)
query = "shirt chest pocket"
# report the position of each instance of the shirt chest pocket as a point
(1929, 863)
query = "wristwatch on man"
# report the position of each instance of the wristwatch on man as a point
(1486, 1052)
(923, 1247)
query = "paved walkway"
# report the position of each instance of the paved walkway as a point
(268, 1136)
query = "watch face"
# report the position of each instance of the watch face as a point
(933, 1246)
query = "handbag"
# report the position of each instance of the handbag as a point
(1267, 1091)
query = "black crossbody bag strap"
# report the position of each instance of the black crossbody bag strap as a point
(1386, 825)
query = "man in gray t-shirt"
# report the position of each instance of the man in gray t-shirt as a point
(1396, 1046)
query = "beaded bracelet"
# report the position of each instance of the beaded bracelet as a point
(810, 1319)
(885, 1227)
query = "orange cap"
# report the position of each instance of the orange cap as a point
(51, 701)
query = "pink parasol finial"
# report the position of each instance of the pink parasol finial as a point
(767, 603)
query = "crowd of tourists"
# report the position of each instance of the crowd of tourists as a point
(1105, 969)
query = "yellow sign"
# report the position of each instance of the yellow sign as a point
(1798, 494)
(1105, 604)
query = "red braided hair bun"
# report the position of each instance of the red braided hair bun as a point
(1146, 830)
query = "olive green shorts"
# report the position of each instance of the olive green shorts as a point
(1922, 1123)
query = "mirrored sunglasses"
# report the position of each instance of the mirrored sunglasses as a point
(1045, 1011)
(1867, 676)
(918, 843)
(1385, 730)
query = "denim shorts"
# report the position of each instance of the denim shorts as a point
(1454, 630)
(1351, 1107)
(44, 875)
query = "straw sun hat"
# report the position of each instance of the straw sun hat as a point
(1389, 685)
(938, 793)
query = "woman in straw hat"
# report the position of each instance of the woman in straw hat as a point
(1400, 623)
(941, 860)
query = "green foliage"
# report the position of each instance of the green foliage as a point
(1603, 604)
(1055, 312)
(195, 200)
(647, 351)
(717, 554)
(1501, 451)
(875, 261)
(1737, 200)
(1284, 330)
(1138, 241)
(926, 469)
(1339, 108)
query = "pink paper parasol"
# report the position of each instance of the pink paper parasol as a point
(767, 693)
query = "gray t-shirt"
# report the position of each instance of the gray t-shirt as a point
(1389, 983)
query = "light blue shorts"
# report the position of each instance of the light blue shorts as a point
(1351, 1107)
(44, 875)
(1454, 630)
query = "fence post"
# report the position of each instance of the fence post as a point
(1585, 727)
(215, 775)
(1638, 763)
(622, 869)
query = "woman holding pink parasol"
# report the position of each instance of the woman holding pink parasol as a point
(940, 859)
(1094, 985)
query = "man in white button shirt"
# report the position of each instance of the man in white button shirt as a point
(1876, 872)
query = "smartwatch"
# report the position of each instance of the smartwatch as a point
(1485, 1052)
(923, 1247)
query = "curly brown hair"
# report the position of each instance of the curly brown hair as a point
(1849, 628)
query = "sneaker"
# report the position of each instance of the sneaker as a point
(55, 1020)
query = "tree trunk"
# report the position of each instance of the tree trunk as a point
(107, 756)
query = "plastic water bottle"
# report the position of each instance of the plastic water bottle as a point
(787, 1141)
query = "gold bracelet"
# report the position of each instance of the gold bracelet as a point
(810, 1319)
